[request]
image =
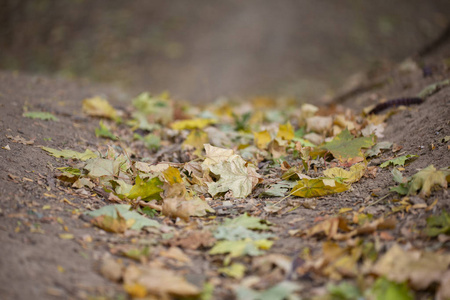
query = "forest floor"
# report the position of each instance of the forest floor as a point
(235, 218)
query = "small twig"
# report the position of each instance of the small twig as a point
(375, 202)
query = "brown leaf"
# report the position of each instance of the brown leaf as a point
(194, 240)
(111, 224)
(421, 269)
(159, 282)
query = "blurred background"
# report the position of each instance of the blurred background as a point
(201, 49)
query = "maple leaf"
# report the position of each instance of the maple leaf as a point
(375, 150)
(426, 179)
(156, 281)
(146, 190)
(421, 269)
(215, 155)
(344, 146)
(286, 132)
(262, 139)
(196, 139)
(398, 161)
(353, 175)
(317, 187)
(99, 107)
(88, 154)
(133, 219)
(234, 176)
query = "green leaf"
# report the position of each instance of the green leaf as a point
(437, 225)
(46, 116)
(317, 187)
(398, 161)
(88, 154)
(397, 175)
(246, 221)
(146, 190)
(344, 146)
(400, 189)
(384, 289)
(124, 210)
(344, 291)
(105, 132)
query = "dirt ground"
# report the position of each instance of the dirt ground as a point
(35, 208)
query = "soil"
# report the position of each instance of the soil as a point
(36, 263)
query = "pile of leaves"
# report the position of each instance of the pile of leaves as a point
(168, 170)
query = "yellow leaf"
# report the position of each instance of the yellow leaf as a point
(66, 236)
(426, 179)
(286, 132)
(172, 175)
(135, 290)
(99, 107)
(353, 175)
(196, 139)
(262, 139)
(236, 271)
(192, 124)
(317, 187)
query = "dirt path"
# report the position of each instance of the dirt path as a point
(49, 250)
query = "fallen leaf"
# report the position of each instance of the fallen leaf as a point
(247, 221)
(398, 161)
(196, 139)
(46, 116)
(215, 155)
(317, 187)
(419, 268)
(176, 254)
(344, 146)
(127, 214)
(439, 224)
(354, 174)
(262, 139)
(192, 124)
(234, 176)
(146, 190)
(105, 132)
(286, 132)
(425, 180)
(158, 282)
(112, 224)
(376, 149)
(388, 290)
(88, 154)
(235, 270)
(99, 107)
(319, 124)
(282, 290)
(194, 240)
(241, 247)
